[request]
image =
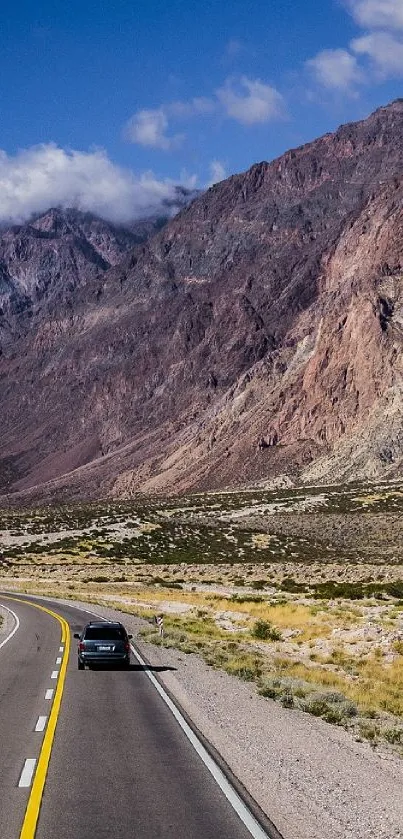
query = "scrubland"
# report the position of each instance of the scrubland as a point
(297, 591)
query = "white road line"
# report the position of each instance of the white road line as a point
(55, 674)
(40, 726)
(13, 631)
(234, 799)
(61, 649)
(49, 693)
(58, 660)
(27, 772)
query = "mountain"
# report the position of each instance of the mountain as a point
(257, 336)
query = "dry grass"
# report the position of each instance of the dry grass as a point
(255, 568)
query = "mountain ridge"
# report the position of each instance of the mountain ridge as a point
(256, 336)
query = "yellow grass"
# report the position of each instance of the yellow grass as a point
(379, 686)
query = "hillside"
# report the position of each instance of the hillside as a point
(258, 334)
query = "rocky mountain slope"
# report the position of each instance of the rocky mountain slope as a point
(257, 335)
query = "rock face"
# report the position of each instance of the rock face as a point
(258, 334)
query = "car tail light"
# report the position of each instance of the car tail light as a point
(81, 646)
(127, 646)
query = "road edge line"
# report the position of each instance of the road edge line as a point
(15, 628)
(241, 808)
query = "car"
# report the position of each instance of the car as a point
(103, 642)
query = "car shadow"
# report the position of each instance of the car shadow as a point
(154, 668)
(138, 668)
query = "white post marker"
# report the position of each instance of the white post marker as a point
(27, 772)
(159, 620)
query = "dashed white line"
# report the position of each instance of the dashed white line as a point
(40, 725)
(13, 631)
(27, 772)
(58, 660)
(55, 674)
(61, 649)
(49, 693)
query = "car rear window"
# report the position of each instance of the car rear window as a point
(103, 633)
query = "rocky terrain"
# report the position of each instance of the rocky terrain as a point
(256, 337)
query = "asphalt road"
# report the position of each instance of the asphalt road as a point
(120, 766)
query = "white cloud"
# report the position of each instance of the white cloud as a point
(248, 101)
(251, 101)
(198, 106)
(148, 128)
(384, 50)
(375, 55)
(45, 176)
(336, 69)
(377, 14)
(217, 172)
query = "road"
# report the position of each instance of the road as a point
(120, 764)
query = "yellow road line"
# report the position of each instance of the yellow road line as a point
(34, 802)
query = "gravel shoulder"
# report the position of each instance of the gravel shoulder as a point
(311, 778)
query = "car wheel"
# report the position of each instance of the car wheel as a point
(80, 665)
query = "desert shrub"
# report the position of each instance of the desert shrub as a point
(331, 590)
(394, 589)
(264, 631)
(246, 598)
(245, 666)
(330, 706)
(358, 590)
(288, 584)
(368, 731)
(287, 699)
(270, 691)
(393, 735)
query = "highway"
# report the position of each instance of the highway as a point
(120, 764)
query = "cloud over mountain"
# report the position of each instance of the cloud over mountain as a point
(47, 175)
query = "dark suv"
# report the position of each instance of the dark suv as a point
(103, 642)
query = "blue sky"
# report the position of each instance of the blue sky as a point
(105, 104)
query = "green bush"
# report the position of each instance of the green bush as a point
(264, 631)
(287, 699)
(393, 735)
(331, 707)
(247, 598)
